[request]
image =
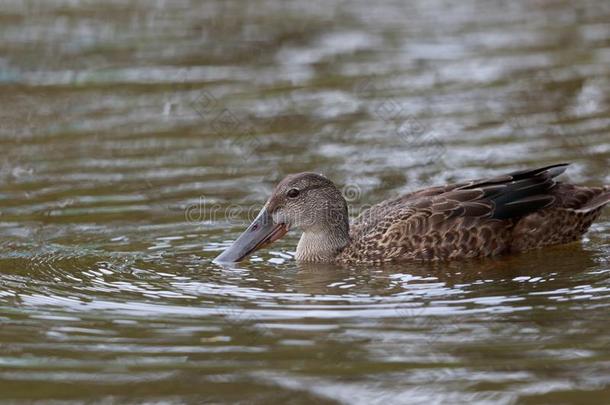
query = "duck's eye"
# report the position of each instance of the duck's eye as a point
(292, 193)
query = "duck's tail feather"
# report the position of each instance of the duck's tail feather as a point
(596, 202)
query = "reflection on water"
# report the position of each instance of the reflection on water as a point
(138, 138)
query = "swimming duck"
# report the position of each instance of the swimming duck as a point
(515, 212)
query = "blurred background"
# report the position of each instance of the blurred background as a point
(138, 136)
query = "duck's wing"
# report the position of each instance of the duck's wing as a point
(498, 197)
(416, 221)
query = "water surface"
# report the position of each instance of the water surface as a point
(138, 138)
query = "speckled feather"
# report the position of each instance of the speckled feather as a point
(512, 213)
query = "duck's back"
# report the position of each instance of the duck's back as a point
(512, 213)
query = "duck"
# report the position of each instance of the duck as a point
(506, 214)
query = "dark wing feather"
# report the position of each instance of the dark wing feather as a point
(518, 193)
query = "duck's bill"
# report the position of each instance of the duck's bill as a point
(261, 232)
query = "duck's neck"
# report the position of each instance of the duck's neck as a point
(323, 244)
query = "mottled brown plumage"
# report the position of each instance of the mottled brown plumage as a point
(512, 213)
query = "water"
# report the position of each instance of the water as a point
(139, 138)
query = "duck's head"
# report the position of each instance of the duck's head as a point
(307, 201)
